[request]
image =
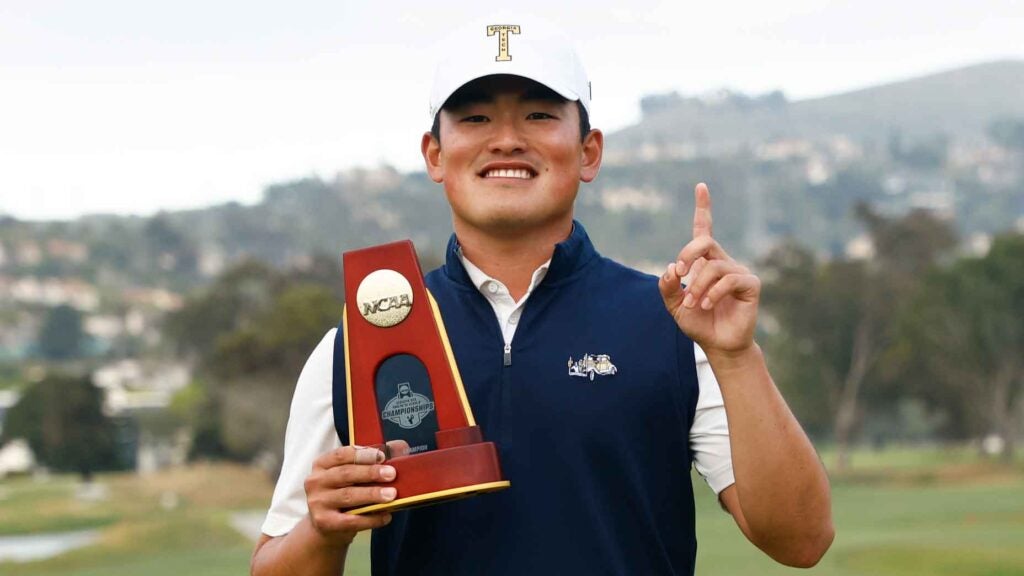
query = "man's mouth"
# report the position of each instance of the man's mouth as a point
(520, 173)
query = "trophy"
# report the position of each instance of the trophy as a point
(403, 384)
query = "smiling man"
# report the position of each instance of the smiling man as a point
(600, 385)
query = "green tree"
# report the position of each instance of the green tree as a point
(831, 317)
(279, 340)
(256, 367)
(61, 336)
(964, 331)
(165, 248)
(197, 407)
(62, 420)
(249, 335)
(233, 300)
(836, 318)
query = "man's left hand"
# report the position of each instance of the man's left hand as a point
(718, 307)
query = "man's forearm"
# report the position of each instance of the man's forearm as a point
(300, 552)
(782, 487)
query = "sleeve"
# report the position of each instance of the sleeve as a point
(310, 433)
(709, 434)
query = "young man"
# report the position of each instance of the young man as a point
(599, 464)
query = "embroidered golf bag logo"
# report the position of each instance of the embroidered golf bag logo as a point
(407, 409)
(592, 365)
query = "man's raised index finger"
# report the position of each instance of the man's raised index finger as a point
(702, 211)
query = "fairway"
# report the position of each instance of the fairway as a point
(935, 518)
(967, 530)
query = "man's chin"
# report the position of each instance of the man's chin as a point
(508, 225)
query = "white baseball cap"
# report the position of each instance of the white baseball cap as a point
(521, 46)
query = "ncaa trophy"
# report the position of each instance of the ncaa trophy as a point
(402, 383)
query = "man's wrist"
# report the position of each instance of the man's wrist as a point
(735, 360)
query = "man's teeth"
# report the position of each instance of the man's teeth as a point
(513, 173)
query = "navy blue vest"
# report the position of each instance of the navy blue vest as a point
(599, 466)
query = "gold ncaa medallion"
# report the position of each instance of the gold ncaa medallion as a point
(384, 298)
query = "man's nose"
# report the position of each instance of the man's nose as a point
(507, 138)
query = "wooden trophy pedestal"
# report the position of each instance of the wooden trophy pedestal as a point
(403, 383)
(443, 474)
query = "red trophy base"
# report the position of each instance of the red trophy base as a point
(450, 472)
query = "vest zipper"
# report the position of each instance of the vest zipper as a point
(508, 355)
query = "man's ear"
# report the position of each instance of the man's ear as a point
(431, 150)
(590, 157)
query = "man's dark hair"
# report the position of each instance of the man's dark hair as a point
(435, 128)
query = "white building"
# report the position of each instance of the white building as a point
(131, 385)
(16, 458)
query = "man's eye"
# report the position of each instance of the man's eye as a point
(539, 116)
(475, 118)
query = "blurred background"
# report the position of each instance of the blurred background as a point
(177, 183)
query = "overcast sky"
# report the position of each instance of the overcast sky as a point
(133, 107)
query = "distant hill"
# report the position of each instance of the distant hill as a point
(959, 102)
(775, 168)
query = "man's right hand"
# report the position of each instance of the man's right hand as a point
(338, 481)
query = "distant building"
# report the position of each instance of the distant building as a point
(135, 393)
(910, 190)
(373, 180)
(105, 326)
(129, 385)
(643, 199)
(16, 458)
(28, 254)
(992, 165)
(73, 292)
(816, 170)
(66, 250)
(212, 261)
(845, 150)
(860, 248)
(156, 453)
(782, 150)
(979, 243)
(155, 298)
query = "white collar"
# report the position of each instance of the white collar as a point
(483, 282)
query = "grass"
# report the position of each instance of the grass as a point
(897, 513)
(900, 511)
(27, 507)
(139, 536)
(971, 529)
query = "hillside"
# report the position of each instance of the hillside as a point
(960, 103)
(777, 169)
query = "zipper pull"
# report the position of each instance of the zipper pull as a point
(508, 355)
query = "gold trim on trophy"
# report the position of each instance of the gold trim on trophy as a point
(451, 359)
(432, 497)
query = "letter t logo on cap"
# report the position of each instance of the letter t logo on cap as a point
(502, 31)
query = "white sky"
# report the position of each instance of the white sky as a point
(132, 107)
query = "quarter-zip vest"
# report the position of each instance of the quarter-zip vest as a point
(590, 409)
